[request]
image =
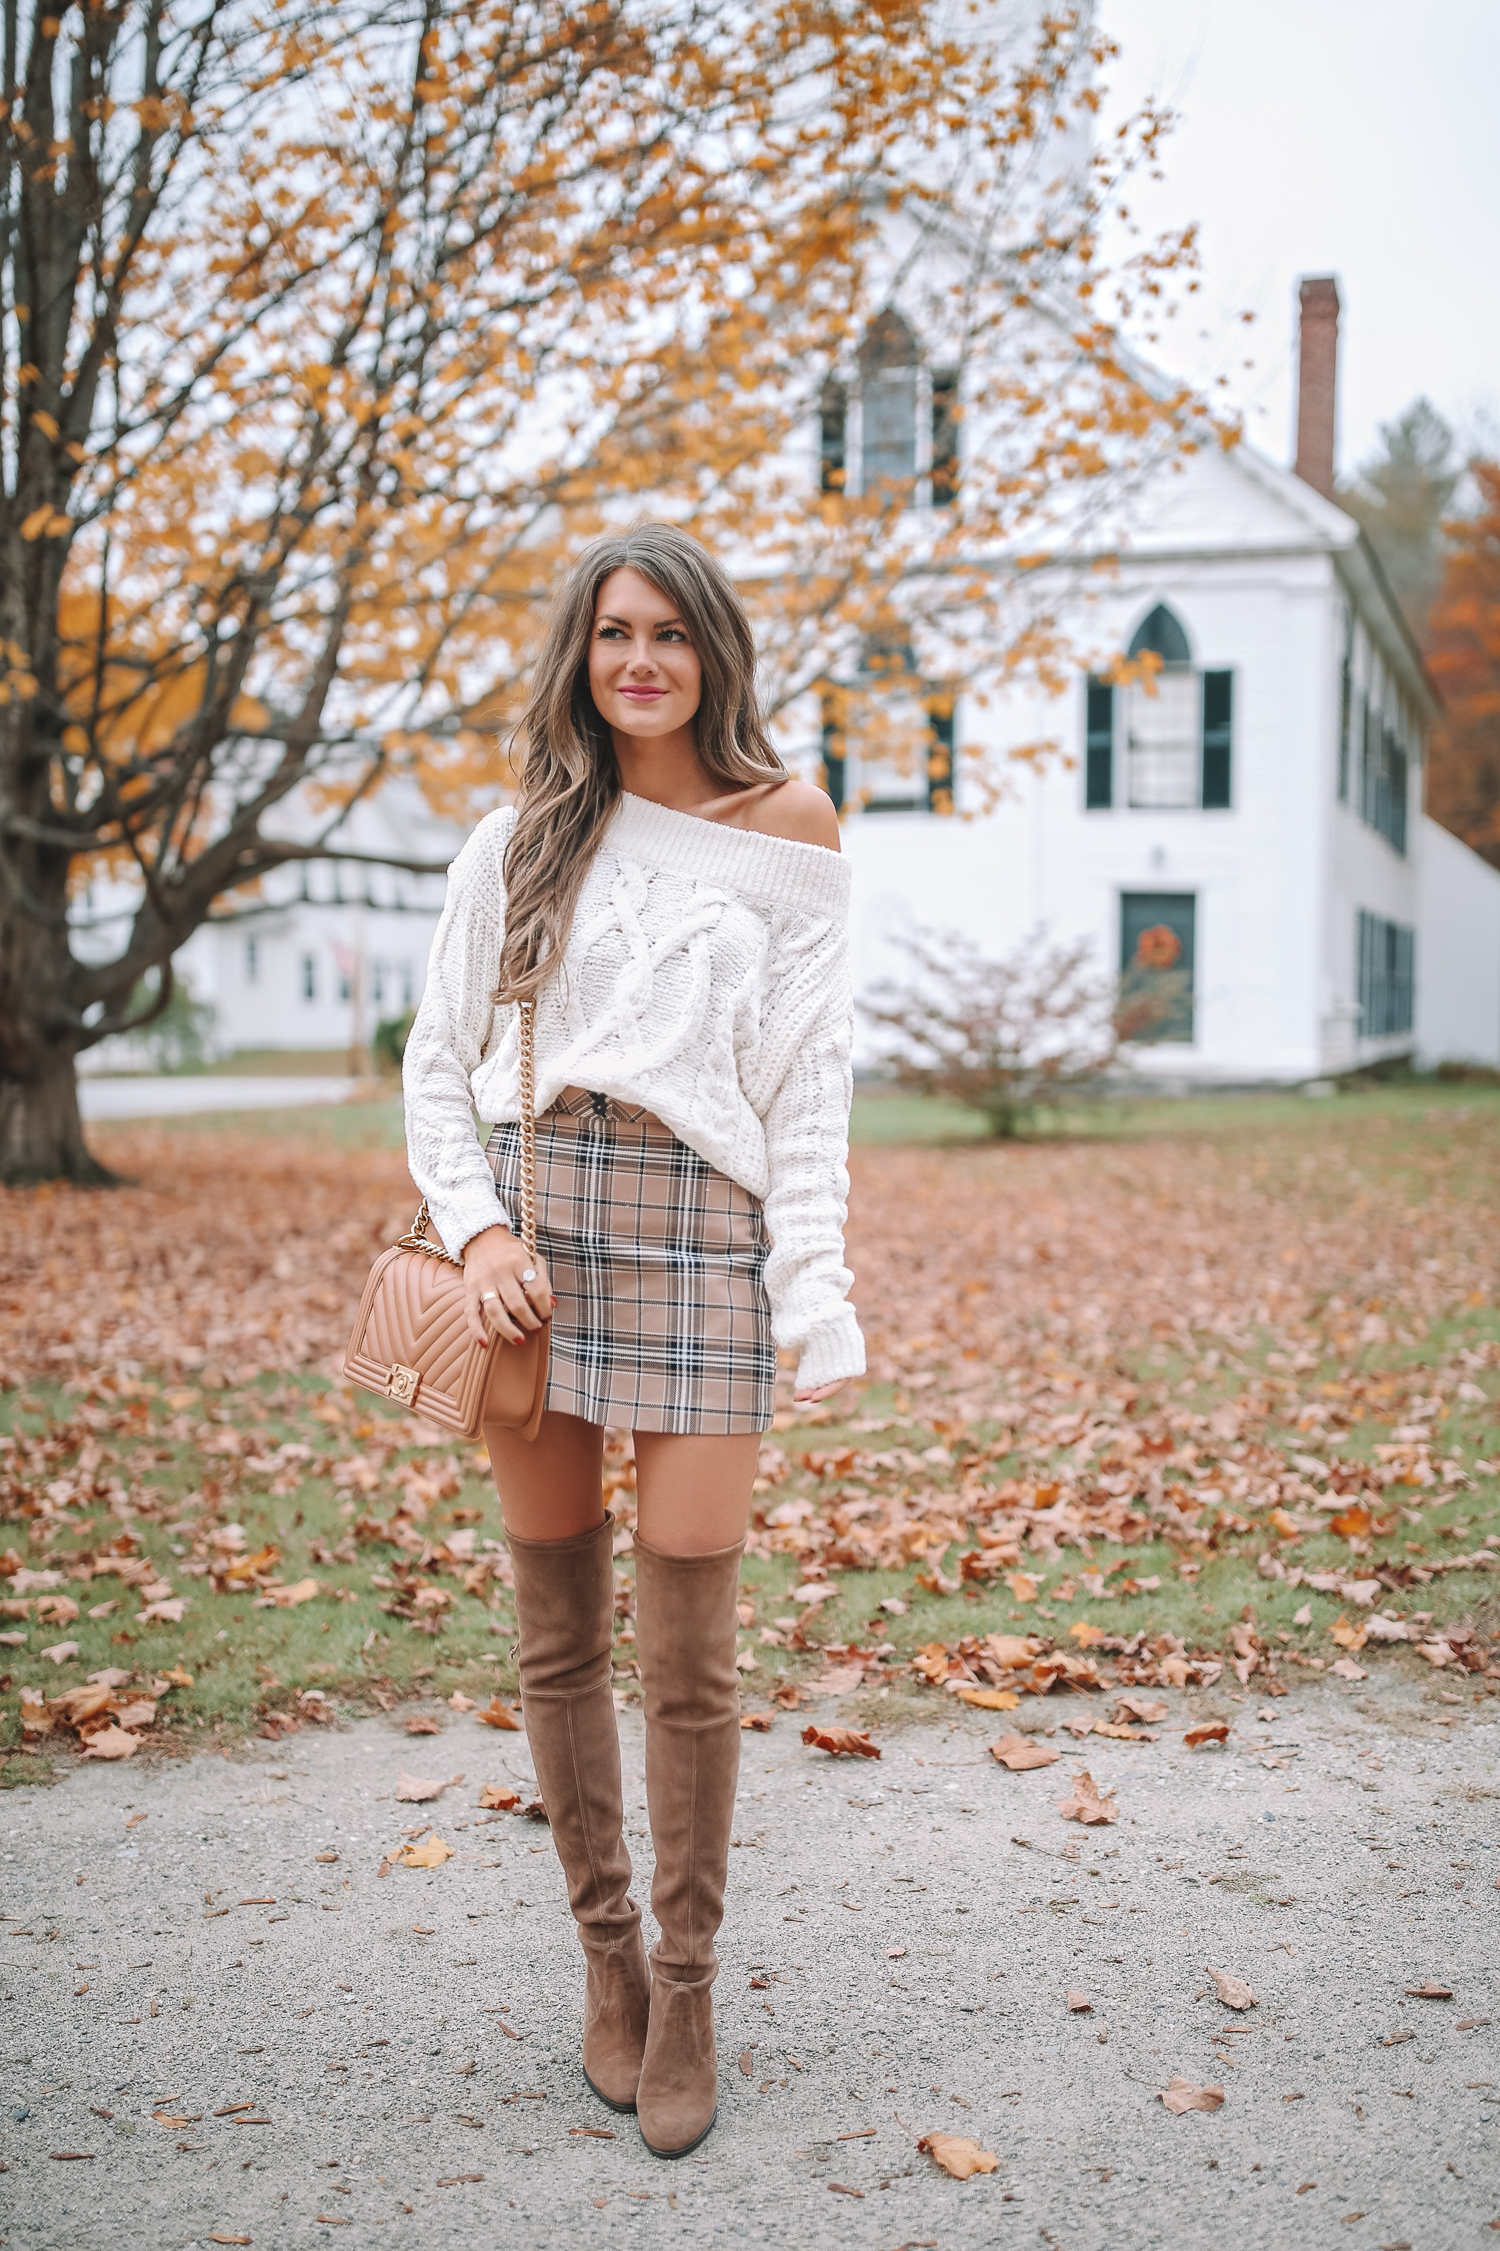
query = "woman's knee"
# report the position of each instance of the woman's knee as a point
(551, 1486)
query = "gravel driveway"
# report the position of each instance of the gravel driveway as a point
(245, 2032)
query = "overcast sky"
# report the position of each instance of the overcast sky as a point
(1353, 137)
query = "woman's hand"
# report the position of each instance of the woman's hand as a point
(823, 1391)
(499, 1299)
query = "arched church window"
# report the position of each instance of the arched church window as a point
(1160, 634)
(1173, 728)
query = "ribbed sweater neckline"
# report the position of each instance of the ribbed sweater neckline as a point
(806, 876)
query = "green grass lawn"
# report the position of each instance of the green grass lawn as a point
(348, 1496)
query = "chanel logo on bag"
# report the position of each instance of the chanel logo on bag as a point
(401, 1383)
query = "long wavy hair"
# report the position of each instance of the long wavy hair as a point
(569, 780)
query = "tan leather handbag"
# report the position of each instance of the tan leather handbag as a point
(411, 1340)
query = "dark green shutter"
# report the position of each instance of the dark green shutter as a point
(940, 766)
(833, 412)
(1346, 708)
(833, 755)
(1099, 746)
(944, 436)
(1218, 711)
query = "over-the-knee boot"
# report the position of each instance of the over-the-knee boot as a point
(685, 1628)
(565, 1599)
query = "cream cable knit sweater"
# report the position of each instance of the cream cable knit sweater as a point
(706, 979)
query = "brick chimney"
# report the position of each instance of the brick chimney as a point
(1317, 381)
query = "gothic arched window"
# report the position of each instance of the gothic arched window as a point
(1177, 727)
(1160, 633)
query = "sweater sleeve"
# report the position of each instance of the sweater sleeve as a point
(448, 1037)
(810, 1018)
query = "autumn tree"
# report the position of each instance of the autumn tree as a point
(1463, 777)
(327, 330)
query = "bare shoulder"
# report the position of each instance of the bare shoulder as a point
(797, 811)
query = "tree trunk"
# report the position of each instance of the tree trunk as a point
(41, 1132)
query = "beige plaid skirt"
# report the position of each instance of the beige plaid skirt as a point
(657, 1264)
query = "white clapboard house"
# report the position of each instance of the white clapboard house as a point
(1261, 798)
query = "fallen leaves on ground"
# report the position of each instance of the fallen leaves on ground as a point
(107, 1715)
(1020, 1753)
(1180, 2095)
(1078, 2003)
(841, 1742)
(1232, 1991)
(959, 2157)
(497, 1799)
(497, 1713)
(110, 1743)
(414, 1789)
(279, 1597)
(1207, 1731)
(1084, 1349)
(427, 1852)
(1431, 1991)
(423, 1723)
(1086, 1804)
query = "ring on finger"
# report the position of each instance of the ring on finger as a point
(529, 1275)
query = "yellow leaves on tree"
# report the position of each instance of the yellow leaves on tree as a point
(403, 340)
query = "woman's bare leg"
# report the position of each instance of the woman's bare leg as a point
(551, 1487)
(693, 1494)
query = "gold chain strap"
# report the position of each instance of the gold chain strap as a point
(418, 1238)
(528, 1126)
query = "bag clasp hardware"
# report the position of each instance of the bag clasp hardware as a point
(402, 1383)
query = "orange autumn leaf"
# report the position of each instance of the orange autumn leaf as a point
(1085, 1803)
(1180, 2095)
(111, 1743)
(1206, 1731)
(1232, 1991)
(988, 1699)
(413, 1789)
(1020, 1754)
(958, 2156)
(841, 1742)
(1352, 1523)
(427, 1852)
(495, 1797)
(497, 1713)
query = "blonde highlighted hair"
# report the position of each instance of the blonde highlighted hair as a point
(569, 780)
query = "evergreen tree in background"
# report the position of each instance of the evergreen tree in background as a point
(1400, 498)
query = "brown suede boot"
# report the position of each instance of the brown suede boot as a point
(685, 1627)
(565, 1599)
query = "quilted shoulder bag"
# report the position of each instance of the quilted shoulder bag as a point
(411, 1341)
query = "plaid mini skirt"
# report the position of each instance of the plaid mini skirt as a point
(657, 1264)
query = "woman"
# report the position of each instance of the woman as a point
(674, 906)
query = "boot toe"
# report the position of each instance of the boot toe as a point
(678, 2097)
